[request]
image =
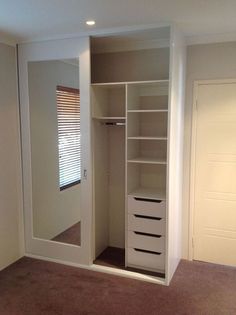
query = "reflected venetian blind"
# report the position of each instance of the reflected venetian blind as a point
(69, 146)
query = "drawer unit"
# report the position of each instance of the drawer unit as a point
(140, 223)
(147, 242)
(149, 207)
(143, 259)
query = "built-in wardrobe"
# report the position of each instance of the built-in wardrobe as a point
(137, 81)
(125, 207)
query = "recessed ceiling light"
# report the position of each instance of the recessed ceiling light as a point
(90, 23)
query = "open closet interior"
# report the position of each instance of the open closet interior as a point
(131, 106)
(109, 119)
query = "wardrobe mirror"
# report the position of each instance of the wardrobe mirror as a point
(54, 112)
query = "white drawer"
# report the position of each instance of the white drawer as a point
(147, 225)
(147, 207)
(146, 260)
(136, 240)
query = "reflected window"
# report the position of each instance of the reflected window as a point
(69, 146)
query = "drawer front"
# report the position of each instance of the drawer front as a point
(146, 260)
(147, 207)
(152, 243)
(147, 225)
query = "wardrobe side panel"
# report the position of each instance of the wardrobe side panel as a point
(175, 156)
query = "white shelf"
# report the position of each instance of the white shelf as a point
(147, 138)
(109, 84)
(112, 85)
(148, 111)
(149, 193)
(147, 160)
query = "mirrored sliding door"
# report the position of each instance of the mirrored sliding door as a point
(55, 118)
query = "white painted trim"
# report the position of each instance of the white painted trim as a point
(20, 169)
(192, 172)
(103, 269)
(197, 83)
(126, 175)
(8, 40)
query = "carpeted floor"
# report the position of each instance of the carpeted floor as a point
(34, 287)
(70, 236)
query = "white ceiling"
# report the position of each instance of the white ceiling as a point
(26, 20)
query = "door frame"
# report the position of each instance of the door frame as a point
(56, 50)
(194, 118)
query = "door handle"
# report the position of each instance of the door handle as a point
(85, 174)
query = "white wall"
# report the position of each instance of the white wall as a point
(211, 61)
(10, 181)
(54, 211)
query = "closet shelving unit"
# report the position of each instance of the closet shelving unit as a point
(146, 169)
(147, 119)
(135, 167)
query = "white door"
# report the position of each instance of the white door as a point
(214, 228)
(54, 79)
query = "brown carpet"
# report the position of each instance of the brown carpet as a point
(34, 287)
(70, 236)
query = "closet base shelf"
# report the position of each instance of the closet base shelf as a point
(147, 160)
(115, 258)
(147, 138)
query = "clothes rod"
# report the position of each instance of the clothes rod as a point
(113, 123)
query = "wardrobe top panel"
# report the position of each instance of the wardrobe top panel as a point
(132, 40)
